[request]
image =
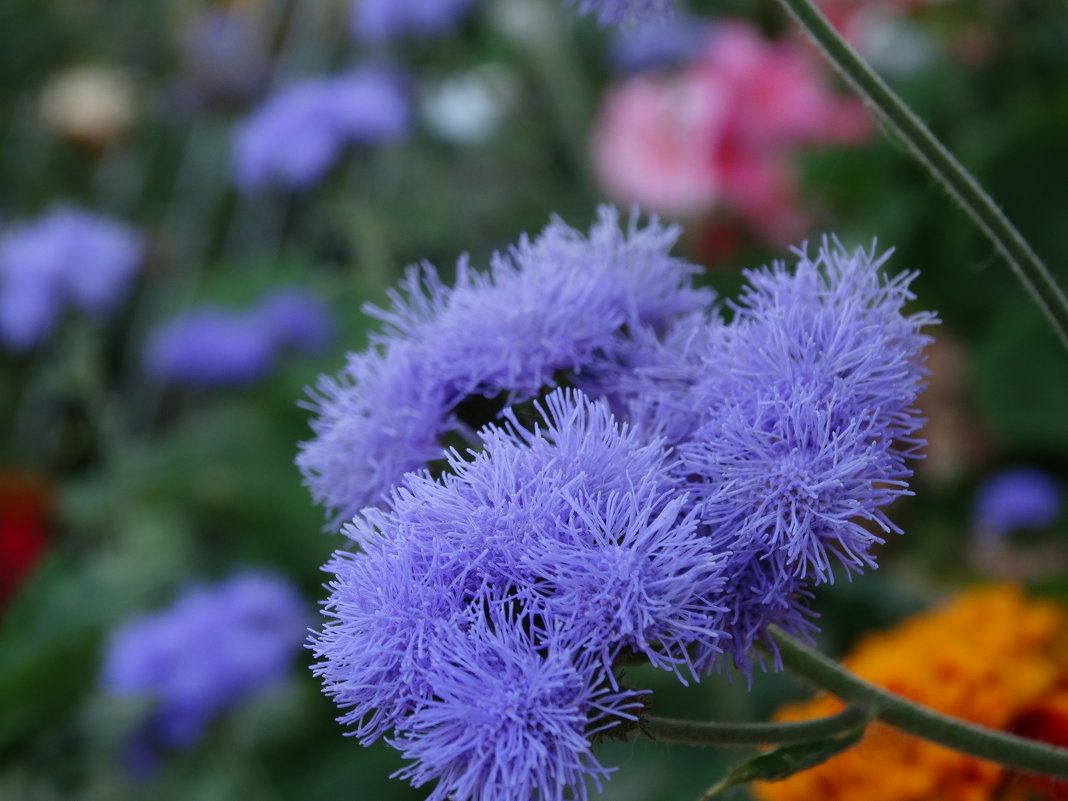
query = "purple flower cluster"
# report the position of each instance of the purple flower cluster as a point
(68, 258)
(483, 617)
(701, 469)
(549, 309)
(299, 134)
(214, 647)
(218, 346)
(1023, 498)
(801, 418)
(380, 21)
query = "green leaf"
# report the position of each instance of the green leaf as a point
(785, 761)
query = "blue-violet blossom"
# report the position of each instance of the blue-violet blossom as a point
(481, 619)
(560, 305)
(67, 258)
(300, 133)
(211, 345)
(705, 467)
(1023, 498)
(212, 648)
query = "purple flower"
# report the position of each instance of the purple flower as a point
(1023, 498)
(218, 346)
(296, 319)
(66, 258)
(510, 720)
(379, 21)
(297, 136)
(541, 561)
(617, 12)
(562, 304)
(213, 648)
(671, 42)
(803, 421)
(211, 346)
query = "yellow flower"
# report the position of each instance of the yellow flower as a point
(988, 657)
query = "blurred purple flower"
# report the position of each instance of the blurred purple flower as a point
(211, 346)
(218, 346)
(672, 42)
(66, 258)
(213, 648)
(618, 12)
(371, 106)
(1024, 498)
(379, 21)
(296, 319)
(300, 133)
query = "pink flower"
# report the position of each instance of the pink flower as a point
(651, 143)
(724, 131)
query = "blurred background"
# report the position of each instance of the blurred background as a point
(196, 198)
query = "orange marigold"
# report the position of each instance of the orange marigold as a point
(989, 657)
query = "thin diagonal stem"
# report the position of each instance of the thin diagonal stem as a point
(1021, 754)
(691, 732)
(939, 162)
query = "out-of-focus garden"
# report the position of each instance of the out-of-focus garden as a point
(198, 198)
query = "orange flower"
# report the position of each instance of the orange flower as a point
(990, 656)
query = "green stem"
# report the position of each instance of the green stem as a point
(691, 732)
(1014, 752)
(939, 162)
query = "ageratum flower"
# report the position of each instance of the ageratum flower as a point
(1024, 498)
(212, 345)
(804, 422)
(494, 603)
(299, 134)
(559, 306)
(510, 720)
(380, 21)
(296, 319)
(214, 647)
(793, 423)
(66, 258)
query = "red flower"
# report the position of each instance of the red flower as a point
(1047, 721)
(24, 511)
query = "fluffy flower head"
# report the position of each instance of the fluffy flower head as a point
(1023, 498)
(212, 345)
(212, 648)
(297, 136)
(67, 258)
(552, 552)
(562, 303)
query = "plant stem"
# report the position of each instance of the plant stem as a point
(692, 732)
(1014, 752)
(939, 162)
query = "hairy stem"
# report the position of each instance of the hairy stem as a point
(939, 162)
(1021, 754)
(691, 732)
